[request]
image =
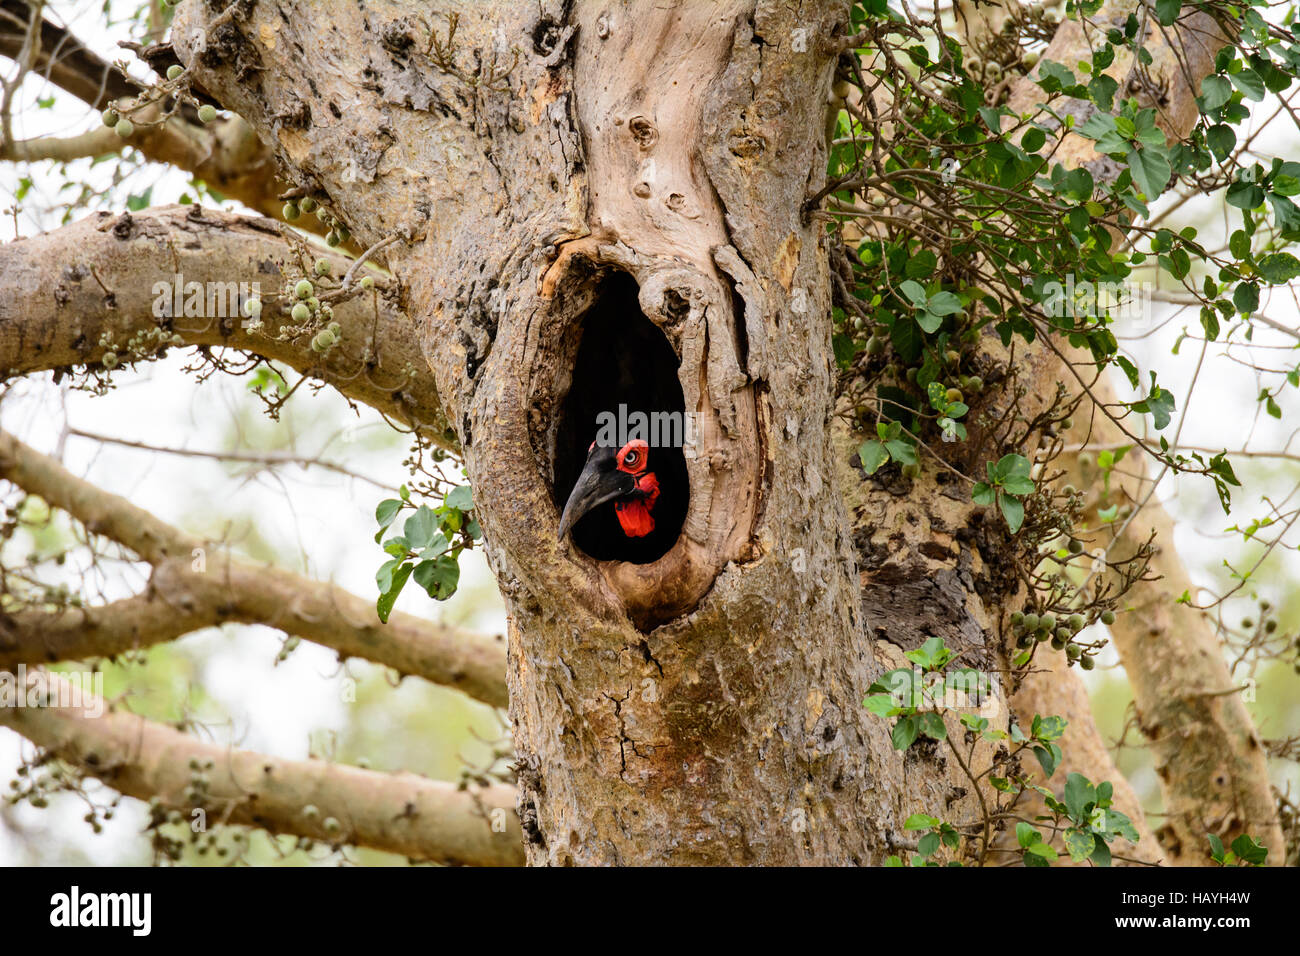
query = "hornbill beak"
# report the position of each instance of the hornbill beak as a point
(599, 482)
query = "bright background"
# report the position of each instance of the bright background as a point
(321, 523)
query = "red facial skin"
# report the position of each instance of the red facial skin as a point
(634, 515)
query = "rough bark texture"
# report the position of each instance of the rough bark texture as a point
(524, 163)
(705, 708)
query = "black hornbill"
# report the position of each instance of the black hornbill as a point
(620, 498)
(618, 475)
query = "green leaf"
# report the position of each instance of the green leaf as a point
(1013, 510)
(1247, 849)
(1079, 844)
(1215, 91)
(1043, 850)
(929, 843)
(982, 493)
(439, 577)
(384, 606)
(1101, 854)
(1279, 267)
(1286, 212)
(1103, 89)
(1053, 76)
(1159, 403)
(873, 455)
(1027, 835)
(915, 292)
(1049, 758)
(904, 732)
(420, 528)
(920, 657)
(384, 576)
(1245, 298)
(882, 705)
(944, 303)
(1167, 11)
(1048, 728)
(919, 821)
(1018, 485)
(461, 498)
(386, 511)
(921, 265)
(1078, 796)
(1250, 84)
(929, 321)
(1151, 170)
(1216, 848)
(1222, 141)
(932, 725)
(1009, 466)
(1244, 195)
(901, 451)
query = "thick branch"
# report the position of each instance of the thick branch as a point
(1212, 767)
(185, 595)
(99, 275)
(401, 813)
(227, 156)
(63, 59)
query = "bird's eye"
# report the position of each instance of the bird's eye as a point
(631, 458)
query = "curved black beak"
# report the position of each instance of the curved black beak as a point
(599, 482)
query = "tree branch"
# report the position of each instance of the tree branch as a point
(185, 595)
(398, 812)
(1208, 755)
(227, 155)
(1212, 768)
(99, 275)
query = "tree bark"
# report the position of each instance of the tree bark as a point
(706, 707)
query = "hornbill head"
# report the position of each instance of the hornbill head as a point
(620, 475)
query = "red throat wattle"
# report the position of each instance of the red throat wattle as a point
(635, 516)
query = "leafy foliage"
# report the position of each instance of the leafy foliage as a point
(428, 549)
(923, 701)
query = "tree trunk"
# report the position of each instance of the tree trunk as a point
(705, 707)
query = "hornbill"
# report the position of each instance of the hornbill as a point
(621, 476)
(621, 500)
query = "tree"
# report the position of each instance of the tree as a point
(890, 481)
